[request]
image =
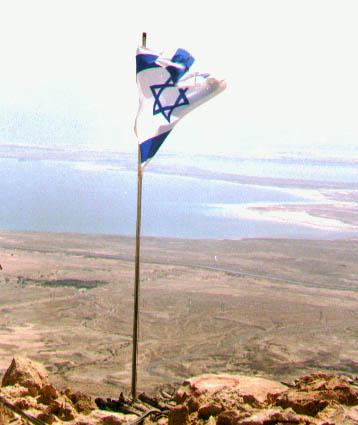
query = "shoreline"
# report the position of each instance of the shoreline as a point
(300, 215)
(329, 209)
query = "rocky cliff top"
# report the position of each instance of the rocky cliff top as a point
(27, 397)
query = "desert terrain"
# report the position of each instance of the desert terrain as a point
(268, 308)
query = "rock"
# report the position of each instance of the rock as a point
(48, 418)
(41, 400)
(182, 394)
(26, 373)
(62, 409)
(85, 406)
(178, 416)
(14, 392)
(304, 403)
(82, 403)
(25, 403)
(47, 395)
(313, 393)
(329, 387)
(319, 381)
(257, 388)
(231, 417)
(272, 416)
(112, 420)
(32, 391)
(211, 383)
(6, 415)
(339, 415)
(317, 399)
(209, 409)
(99, 417)
(49, 391)
(193, 404)
(251, 400)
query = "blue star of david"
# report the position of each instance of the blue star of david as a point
(167, 110)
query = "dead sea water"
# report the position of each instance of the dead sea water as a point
(90, 198)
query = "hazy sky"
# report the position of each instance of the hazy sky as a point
(67, 73)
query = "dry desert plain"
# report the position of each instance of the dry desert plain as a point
(66, 301)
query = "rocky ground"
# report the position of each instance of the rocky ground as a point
(27, 397)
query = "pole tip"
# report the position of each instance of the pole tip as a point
(144, 39)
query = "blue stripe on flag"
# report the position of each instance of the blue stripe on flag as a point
(149, 148)
(184, 58)
(146, 61)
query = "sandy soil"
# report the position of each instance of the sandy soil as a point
(194, 318)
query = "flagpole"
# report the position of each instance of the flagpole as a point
(137, 268)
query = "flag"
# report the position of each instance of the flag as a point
(167, 92)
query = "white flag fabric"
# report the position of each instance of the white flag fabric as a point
(167, 92)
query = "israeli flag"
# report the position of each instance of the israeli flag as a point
(167, 92)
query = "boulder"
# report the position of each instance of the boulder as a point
(209, 409)
(304, 403)
(193, 404)
(178, 416)
(85, 406)
(112, 420)
(26, 386)
(82, 403)
(254, 389)
(231, 417)
(48, 418)
(329, 387)
(62, 408)
(26, 373)
(47, 395)
(313, 393)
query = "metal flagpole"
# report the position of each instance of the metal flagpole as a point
(137, 268)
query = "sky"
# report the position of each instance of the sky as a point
(67, 73)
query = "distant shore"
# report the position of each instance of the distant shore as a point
(335, 210)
